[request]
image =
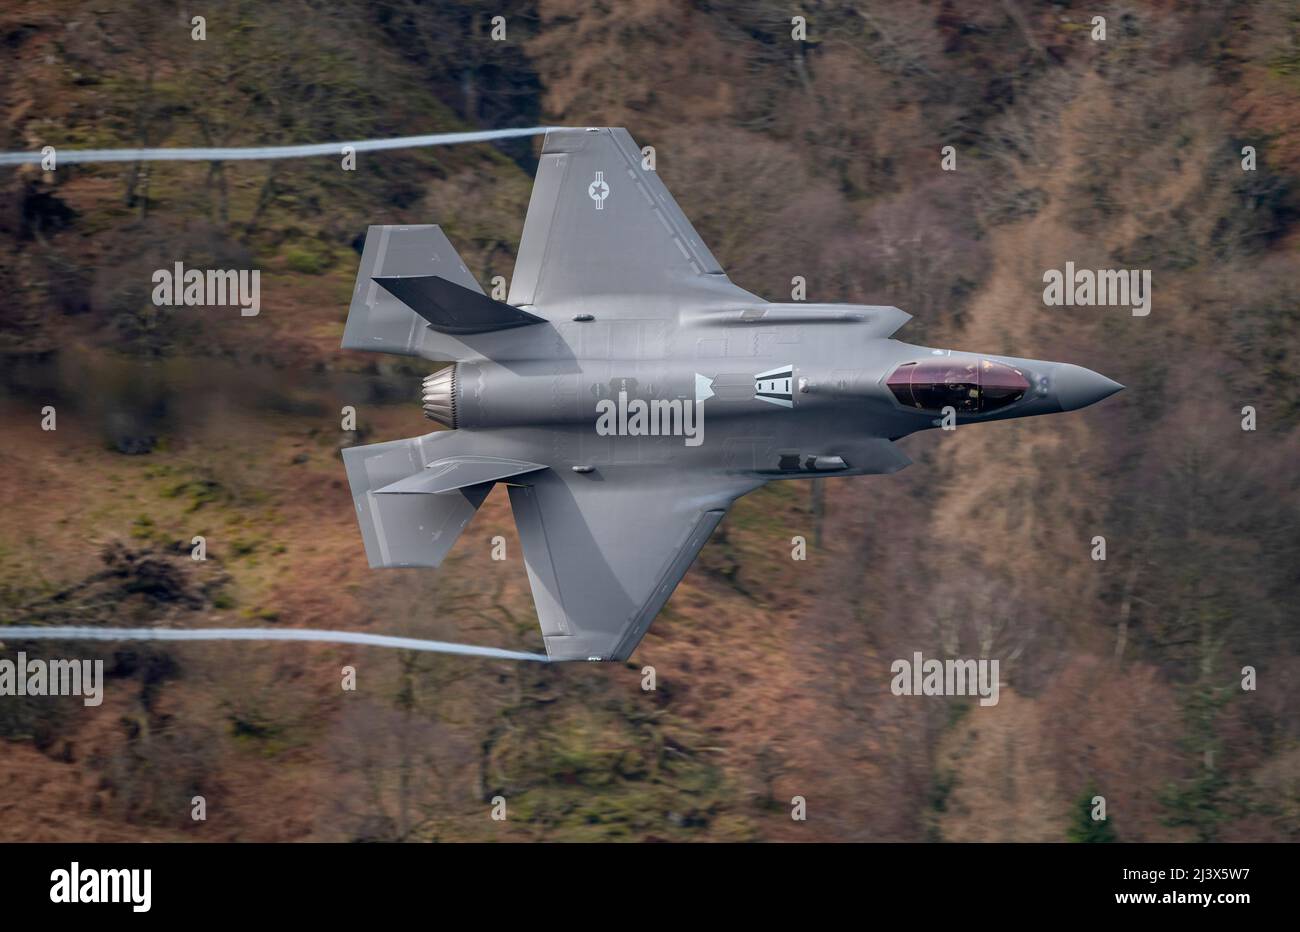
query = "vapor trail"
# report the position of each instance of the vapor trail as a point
(71, 633)
(265, 152)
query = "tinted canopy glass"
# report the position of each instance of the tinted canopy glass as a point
(970, 386)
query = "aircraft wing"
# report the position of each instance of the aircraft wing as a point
(599, 225)
(604, 551)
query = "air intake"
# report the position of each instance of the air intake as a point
(439, 396)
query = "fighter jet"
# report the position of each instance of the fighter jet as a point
(627, 393)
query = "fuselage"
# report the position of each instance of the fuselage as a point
(771, 391)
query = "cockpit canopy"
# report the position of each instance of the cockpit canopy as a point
(969, 385)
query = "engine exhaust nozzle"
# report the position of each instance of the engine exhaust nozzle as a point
(438, 395)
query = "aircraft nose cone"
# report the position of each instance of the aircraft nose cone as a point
(1077, 387)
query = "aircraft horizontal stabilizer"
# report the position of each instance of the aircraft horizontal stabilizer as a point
(451, 308)
(400, 531)
(377, 321)
(458, 472)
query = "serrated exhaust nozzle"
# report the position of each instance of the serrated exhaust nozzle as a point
(439, 396)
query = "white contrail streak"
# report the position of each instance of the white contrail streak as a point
(22, 633)
(63, 156)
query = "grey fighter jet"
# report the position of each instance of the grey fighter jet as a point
(627, 392)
